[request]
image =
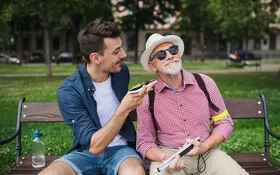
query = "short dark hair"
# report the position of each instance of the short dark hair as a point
(91, 37)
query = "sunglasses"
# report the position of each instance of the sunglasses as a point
(162, 53)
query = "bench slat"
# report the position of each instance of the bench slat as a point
(245, 108)
(41, 112)
(24, 165)
(49, 111)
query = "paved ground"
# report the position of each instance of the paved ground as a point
(263, 68)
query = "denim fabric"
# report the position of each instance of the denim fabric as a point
(79, 109)
(107, 163)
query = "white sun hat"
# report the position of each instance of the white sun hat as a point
(153, 41)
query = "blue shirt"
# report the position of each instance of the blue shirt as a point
(79, 110)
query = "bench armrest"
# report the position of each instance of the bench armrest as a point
(267, 125)
(16, 134)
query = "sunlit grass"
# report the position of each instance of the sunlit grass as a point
(69, 68)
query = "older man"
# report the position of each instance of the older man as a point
(182, 107)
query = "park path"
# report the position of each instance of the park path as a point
(263, 68)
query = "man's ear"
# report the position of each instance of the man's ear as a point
(94, 58)
(152, 67)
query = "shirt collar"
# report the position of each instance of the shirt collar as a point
(187, 80)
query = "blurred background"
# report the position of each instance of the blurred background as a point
(45, 31)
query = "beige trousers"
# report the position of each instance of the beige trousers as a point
(217, 163)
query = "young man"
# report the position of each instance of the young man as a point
(95, 104)
(182, 112)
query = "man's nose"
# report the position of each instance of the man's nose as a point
(122, 53)
(168, 55)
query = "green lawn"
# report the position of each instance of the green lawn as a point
(247, 136)
(69, 68)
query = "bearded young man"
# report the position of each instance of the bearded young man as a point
(94, 103)
(181, 112)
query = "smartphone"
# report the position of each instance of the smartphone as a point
(137, 89)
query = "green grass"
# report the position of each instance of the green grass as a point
(69, 68)
(35, 68)
(247, 136)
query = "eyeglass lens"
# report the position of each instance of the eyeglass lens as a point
(162, 53)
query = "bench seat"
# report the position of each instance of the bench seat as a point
(254, 163)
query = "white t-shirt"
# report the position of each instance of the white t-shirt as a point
(107, 104)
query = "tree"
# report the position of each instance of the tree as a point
(195, 21)
(140, 13)
(5, 32)
(51, 14)
(26, 17)
(230, 19)
(72, 15)
(240, 20)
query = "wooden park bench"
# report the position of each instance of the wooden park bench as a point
(256, 163)
(256, 62)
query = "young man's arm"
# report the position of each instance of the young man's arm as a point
(103, 137)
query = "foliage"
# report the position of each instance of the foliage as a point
(195, 22)
(136, 15)
(194, 15)
(5, 32)
(225, 20)
(237, 19)
(44, 16)
(149, 12)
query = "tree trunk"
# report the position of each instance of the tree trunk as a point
(75, 22)
(47, 39)
(202, 45)
(21, 51)
(228, 47)
(136, 34)
(136, 45)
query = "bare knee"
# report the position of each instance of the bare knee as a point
(131, 166)
(58, 168)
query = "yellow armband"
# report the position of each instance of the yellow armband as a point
(220, 116)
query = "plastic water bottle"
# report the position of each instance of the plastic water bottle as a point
(38, 150)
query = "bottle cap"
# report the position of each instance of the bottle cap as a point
(37, 133)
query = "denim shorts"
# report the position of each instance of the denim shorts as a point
(107, 162)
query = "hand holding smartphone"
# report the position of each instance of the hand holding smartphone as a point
(137, 89)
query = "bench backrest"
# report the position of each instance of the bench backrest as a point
(49, 111)
(41, 112)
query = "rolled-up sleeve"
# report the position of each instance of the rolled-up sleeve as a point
(145, 128)
(224, 126)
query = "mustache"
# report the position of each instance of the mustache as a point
(119, 61)
(171, 60)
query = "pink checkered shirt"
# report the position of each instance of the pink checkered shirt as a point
(181, 113)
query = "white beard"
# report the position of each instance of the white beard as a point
(174, 69)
